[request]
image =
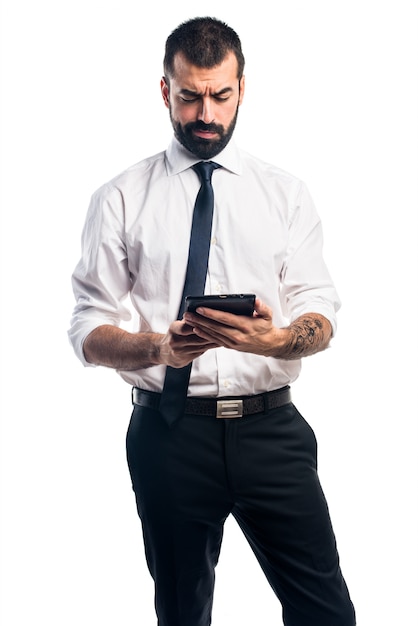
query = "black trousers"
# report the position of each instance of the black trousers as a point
(261, 469)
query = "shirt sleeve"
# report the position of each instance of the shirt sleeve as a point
(306, 285)
(101, 279)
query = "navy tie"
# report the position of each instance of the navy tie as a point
(176, 381)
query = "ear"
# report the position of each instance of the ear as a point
(241, 89)
(165, 91)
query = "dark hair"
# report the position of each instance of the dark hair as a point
(205, 42)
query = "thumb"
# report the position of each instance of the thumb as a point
(262, 310)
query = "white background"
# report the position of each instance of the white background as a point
(332, 98)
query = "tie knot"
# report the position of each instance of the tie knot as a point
(204, 170)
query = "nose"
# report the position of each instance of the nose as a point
(206, 112)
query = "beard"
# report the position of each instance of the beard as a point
(203, 148)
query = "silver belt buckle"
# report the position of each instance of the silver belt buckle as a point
(229, 408)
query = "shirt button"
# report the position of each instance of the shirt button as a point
(213, 241)
(226, 384)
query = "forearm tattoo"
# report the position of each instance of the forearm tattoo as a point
(308, 334)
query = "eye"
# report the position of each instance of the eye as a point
(189, 98)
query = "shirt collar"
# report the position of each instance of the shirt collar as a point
(179, 159)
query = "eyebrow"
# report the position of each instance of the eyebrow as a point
(191, 92)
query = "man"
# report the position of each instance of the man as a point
(191, 470)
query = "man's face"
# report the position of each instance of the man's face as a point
(203, 104)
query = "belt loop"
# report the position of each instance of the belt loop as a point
(266, 403)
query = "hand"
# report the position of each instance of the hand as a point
(254, 334)
(181, 345)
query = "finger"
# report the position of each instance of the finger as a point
(196, 343)
(221, 335)
(209, 318)
(262, 310)
(186, 355)
(181, 328)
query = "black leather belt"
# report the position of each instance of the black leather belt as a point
(220, 407)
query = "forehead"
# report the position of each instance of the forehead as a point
(189, 76)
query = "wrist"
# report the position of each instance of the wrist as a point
(149, 347)
(279, 345)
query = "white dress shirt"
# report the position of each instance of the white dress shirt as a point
(266, 239)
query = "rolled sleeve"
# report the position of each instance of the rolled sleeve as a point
(101, 280)
(307, 286)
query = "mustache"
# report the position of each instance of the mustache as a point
(199, 125)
